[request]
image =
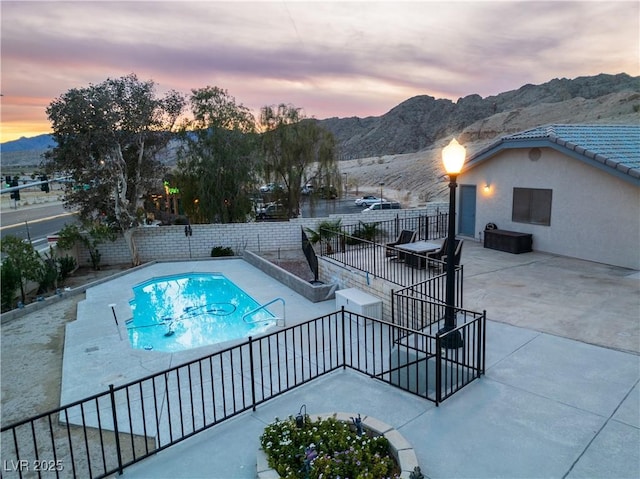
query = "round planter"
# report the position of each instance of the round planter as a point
(399, 447)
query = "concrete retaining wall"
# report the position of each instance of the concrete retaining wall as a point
(313, 292)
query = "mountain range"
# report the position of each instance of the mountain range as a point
(420, 122)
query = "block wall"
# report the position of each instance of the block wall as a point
(170, 242)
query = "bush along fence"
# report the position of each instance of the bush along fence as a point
(103, 434)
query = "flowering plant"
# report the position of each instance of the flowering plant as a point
(326, 448)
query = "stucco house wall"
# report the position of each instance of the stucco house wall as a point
(594, 215)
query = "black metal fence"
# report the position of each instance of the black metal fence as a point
(381, 261)
(421, 305)
(103, 434)
(426, 228)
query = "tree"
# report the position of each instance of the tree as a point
(23, 259)
(217, 158)
(108, 139)
(292, 145)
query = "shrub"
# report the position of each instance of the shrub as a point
(367, 231)
(327, 230)
(217, 251)
(326, 448)
(23, 258)
(47, 275)
(10, 284)
(66, 265)
(91, 235)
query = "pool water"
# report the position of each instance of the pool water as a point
(176, 313)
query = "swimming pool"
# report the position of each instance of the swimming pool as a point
(180, 312)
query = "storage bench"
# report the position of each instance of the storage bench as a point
(359, 302)
(509, 241)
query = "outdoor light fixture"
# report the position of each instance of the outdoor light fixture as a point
(453, 156)
(487, 188)
(300, 416)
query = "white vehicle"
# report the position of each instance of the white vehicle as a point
(270, 187)
(386, 205)
(369, 200)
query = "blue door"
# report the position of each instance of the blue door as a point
(467, 211)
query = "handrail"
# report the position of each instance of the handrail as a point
(262, 306)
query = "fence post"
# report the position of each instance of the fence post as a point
(253, 379)
(438, 370)
(483, 341)
(115, 427)
(344, 348)
(393, 302)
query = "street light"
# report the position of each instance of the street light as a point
(453, 156)
(381, 185)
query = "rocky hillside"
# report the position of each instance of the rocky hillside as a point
(419, 122)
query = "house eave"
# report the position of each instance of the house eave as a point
(617, 169)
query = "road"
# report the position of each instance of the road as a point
(35, 223)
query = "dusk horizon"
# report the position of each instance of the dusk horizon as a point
(331, 59)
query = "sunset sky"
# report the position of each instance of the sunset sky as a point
(330, 58)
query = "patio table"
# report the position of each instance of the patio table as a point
(419, 249)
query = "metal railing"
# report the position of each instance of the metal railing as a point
(426, 227)
(380, 260)
(101, 435)
(420, 305)
(264, 307)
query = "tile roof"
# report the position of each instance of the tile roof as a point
(615, 146)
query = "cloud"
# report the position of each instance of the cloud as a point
(331, 58)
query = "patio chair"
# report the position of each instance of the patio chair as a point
(441, 254)
(405, 236)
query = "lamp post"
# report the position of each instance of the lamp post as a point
(381, 185)
(453, 156)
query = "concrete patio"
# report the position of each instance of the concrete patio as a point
(560, 397)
